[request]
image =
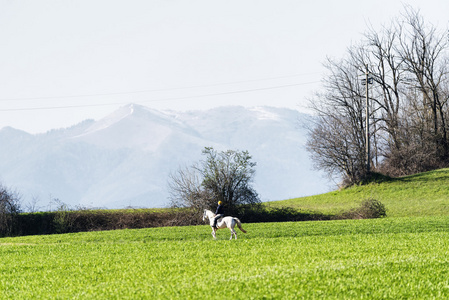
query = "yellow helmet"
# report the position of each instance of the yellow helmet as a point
(220, 203)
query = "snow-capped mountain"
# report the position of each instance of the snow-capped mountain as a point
(125, 158)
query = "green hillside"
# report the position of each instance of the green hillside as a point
(424, 194)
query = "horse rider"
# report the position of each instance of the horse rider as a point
(219, 213)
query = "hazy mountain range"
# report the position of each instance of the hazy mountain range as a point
(125, 158)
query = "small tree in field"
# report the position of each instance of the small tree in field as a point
(9, 209)
(223, 176)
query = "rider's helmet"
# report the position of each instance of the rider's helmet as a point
(220, 203)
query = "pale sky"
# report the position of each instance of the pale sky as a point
(63, 61)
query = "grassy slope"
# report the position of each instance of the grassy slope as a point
(424, 194)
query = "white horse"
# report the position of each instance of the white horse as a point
(223, 223)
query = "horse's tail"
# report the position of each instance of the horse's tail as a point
(239, 225)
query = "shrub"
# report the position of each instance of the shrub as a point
(63, 220)
(369, 209)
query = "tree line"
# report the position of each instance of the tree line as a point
(407, 63)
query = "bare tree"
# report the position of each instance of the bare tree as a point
(385, 67)
(332, 150)
(33, 205)
(185, 188)
(408, 102)
(337, 143)
(422, 50)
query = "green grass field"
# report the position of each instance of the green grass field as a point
(403, 256)
(381, 258)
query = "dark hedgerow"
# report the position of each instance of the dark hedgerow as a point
(65, 220)
(261, 213)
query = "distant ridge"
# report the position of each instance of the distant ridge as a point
(125, 158)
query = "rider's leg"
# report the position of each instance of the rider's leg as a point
(216, 219)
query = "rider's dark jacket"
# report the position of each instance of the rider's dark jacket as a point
(220, 210)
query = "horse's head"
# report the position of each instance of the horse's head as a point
(204, 215)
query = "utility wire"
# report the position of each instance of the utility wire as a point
(163, 99)
(155, 90)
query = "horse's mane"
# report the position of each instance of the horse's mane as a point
(208, 210)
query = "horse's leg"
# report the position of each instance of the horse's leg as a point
(232, 229)
(233, 233)
(213, 233)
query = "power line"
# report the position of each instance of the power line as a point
(163, 99)
(154, 90)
